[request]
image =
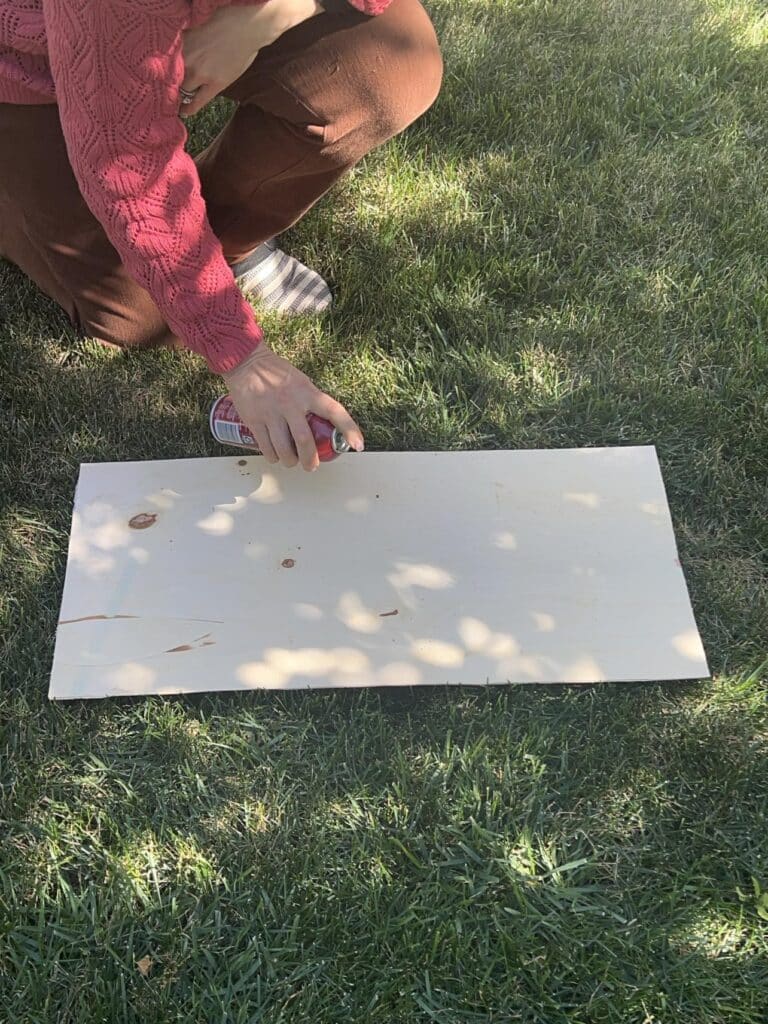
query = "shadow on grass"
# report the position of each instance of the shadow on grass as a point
(567, 850)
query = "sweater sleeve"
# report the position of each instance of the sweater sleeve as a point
(369, 7)
(117, 66)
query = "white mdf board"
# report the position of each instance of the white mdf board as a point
(380, 569)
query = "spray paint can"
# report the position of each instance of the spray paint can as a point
(228, 428)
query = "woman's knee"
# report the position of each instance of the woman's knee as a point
(407, 79)
(397, 77)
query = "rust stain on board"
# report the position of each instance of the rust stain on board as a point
(181, 647)
(386, 615)
(242, 462)
(288, 563)
(143, 520)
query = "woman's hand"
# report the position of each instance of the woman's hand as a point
(219, 51)
(273, 398)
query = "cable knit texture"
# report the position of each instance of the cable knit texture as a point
(114, 67)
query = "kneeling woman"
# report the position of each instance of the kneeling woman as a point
(142, 246)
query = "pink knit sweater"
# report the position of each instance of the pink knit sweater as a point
(114, 67)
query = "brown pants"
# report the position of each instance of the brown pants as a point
(308, 108)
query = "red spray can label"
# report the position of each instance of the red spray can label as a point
(228, 428)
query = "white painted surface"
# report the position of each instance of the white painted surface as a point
(503, 566)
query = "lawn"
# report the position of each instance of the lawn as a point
(570, 249)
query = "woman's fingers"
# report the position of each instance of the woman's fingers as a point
(304, 442)
(334, 411)
(261, 434)
(287, 443)
(202, 94)
(282, 442)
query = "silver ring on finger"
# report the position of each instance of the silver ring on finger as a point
(187, 96)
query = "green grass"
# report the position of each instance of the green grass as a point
(570, 249)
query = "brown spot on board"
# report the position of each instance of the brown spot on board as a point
(208, 643)
(181, 647)
(288, 563)
(386, 615)
(143, 520)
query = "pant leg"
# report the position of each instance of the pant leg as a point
(47, 230)
(309, 107)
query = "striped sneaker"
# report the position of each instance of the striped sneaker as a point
(277, 281)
